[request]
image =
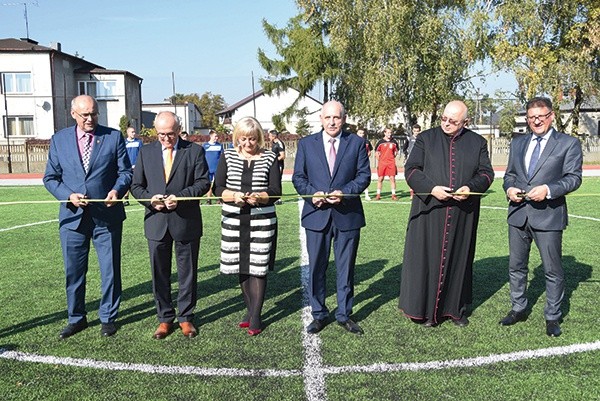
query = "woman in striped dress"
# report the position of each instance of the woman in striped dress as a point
(249, 182)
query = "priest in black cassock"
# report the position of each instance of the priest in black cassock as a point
(446, 169)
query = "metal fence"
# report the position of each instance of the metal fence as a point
(31, 158)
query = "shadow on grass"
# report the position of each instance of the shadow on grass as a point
(379, 292)
(489, 276)
(126, 316)
(575, 273)
(283, 281)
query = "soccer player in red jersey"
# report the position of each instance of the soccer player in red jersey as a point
(385, 153)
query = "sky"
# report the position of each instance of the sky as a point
(208, 45)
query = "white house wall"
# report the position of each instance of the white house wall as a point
(267, 106)
(39, 105)
(188, 114)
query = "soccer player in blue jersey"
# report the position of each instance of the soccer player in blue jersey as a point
(213, 150)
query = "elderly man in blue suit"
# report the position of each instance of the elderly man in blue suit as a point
(333, 166)
(542, 168)
(89, 161)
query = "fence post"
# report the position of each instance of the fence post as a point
(27, 156)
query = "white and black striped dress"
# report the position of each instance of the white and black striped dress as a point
(248, 234)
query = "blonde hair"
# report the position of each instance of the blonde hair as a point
(249, 126)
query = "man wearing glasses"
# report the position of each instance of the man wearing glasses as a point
(448, 168)
(542, 168)
(89, 161)
(166, 170)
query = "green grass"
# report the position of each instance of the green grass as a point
(32, 301)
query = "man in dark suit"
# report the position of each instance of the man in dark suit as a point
(542, 168)
(89, 161)
(166, 170)
(334, 166)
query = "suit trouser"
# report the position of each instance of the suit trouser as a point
(76, 248)
(345, 246)
(186, 257)
(549, 244)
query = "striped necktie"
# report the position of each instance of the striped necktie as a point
(87, 152)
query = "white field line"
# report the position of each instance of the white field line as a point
(322, 370)
(314, 379)
(27, 225)
(467, 362)
(37, 223)
(145, 368)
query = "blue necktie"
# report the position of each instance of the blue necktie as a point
(534, 156)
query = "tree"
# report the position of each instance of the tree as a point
(208, 104)
(278, 122)
(408, 55)
(507, 118)
(305, 59)
(124, 124)
(302, 127)
(480, 107)
(553, 49)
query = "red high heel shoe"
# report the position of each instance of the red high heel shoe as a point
(254, 332)
(243, 325)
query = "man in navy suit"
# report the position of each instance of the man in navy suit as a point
(333, 166)
(166, 170)
(89, 161)
(542, 168)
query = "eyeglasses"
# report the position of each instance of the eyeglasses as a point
(542, 117)
(85, 116)
(451, 121)
(167, 134)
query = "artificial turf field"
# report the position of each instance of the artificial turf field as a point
(395, 359)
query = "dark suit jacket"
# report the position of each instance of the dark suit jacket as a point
(189, 178)
(559, 167)
(109, 169)
(351, 175)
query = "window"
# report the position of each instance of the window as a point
(17, 82)
(98, 89)
(20, 125)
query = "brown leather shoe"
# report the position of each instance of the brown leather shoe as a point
(164, 329)
(188, 329)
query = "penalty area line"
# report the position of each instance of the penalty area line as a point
(145, 368)
(468, 362)
(320, 372)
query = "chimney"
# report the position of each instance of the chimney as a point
(55, 46)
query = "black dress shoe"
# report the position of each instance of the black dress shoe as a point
(553, 328)
(352, 327)
(462, 322)
(315, 326)
(429, 323)
(73, 328)
(513, 317)
(108, 329)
